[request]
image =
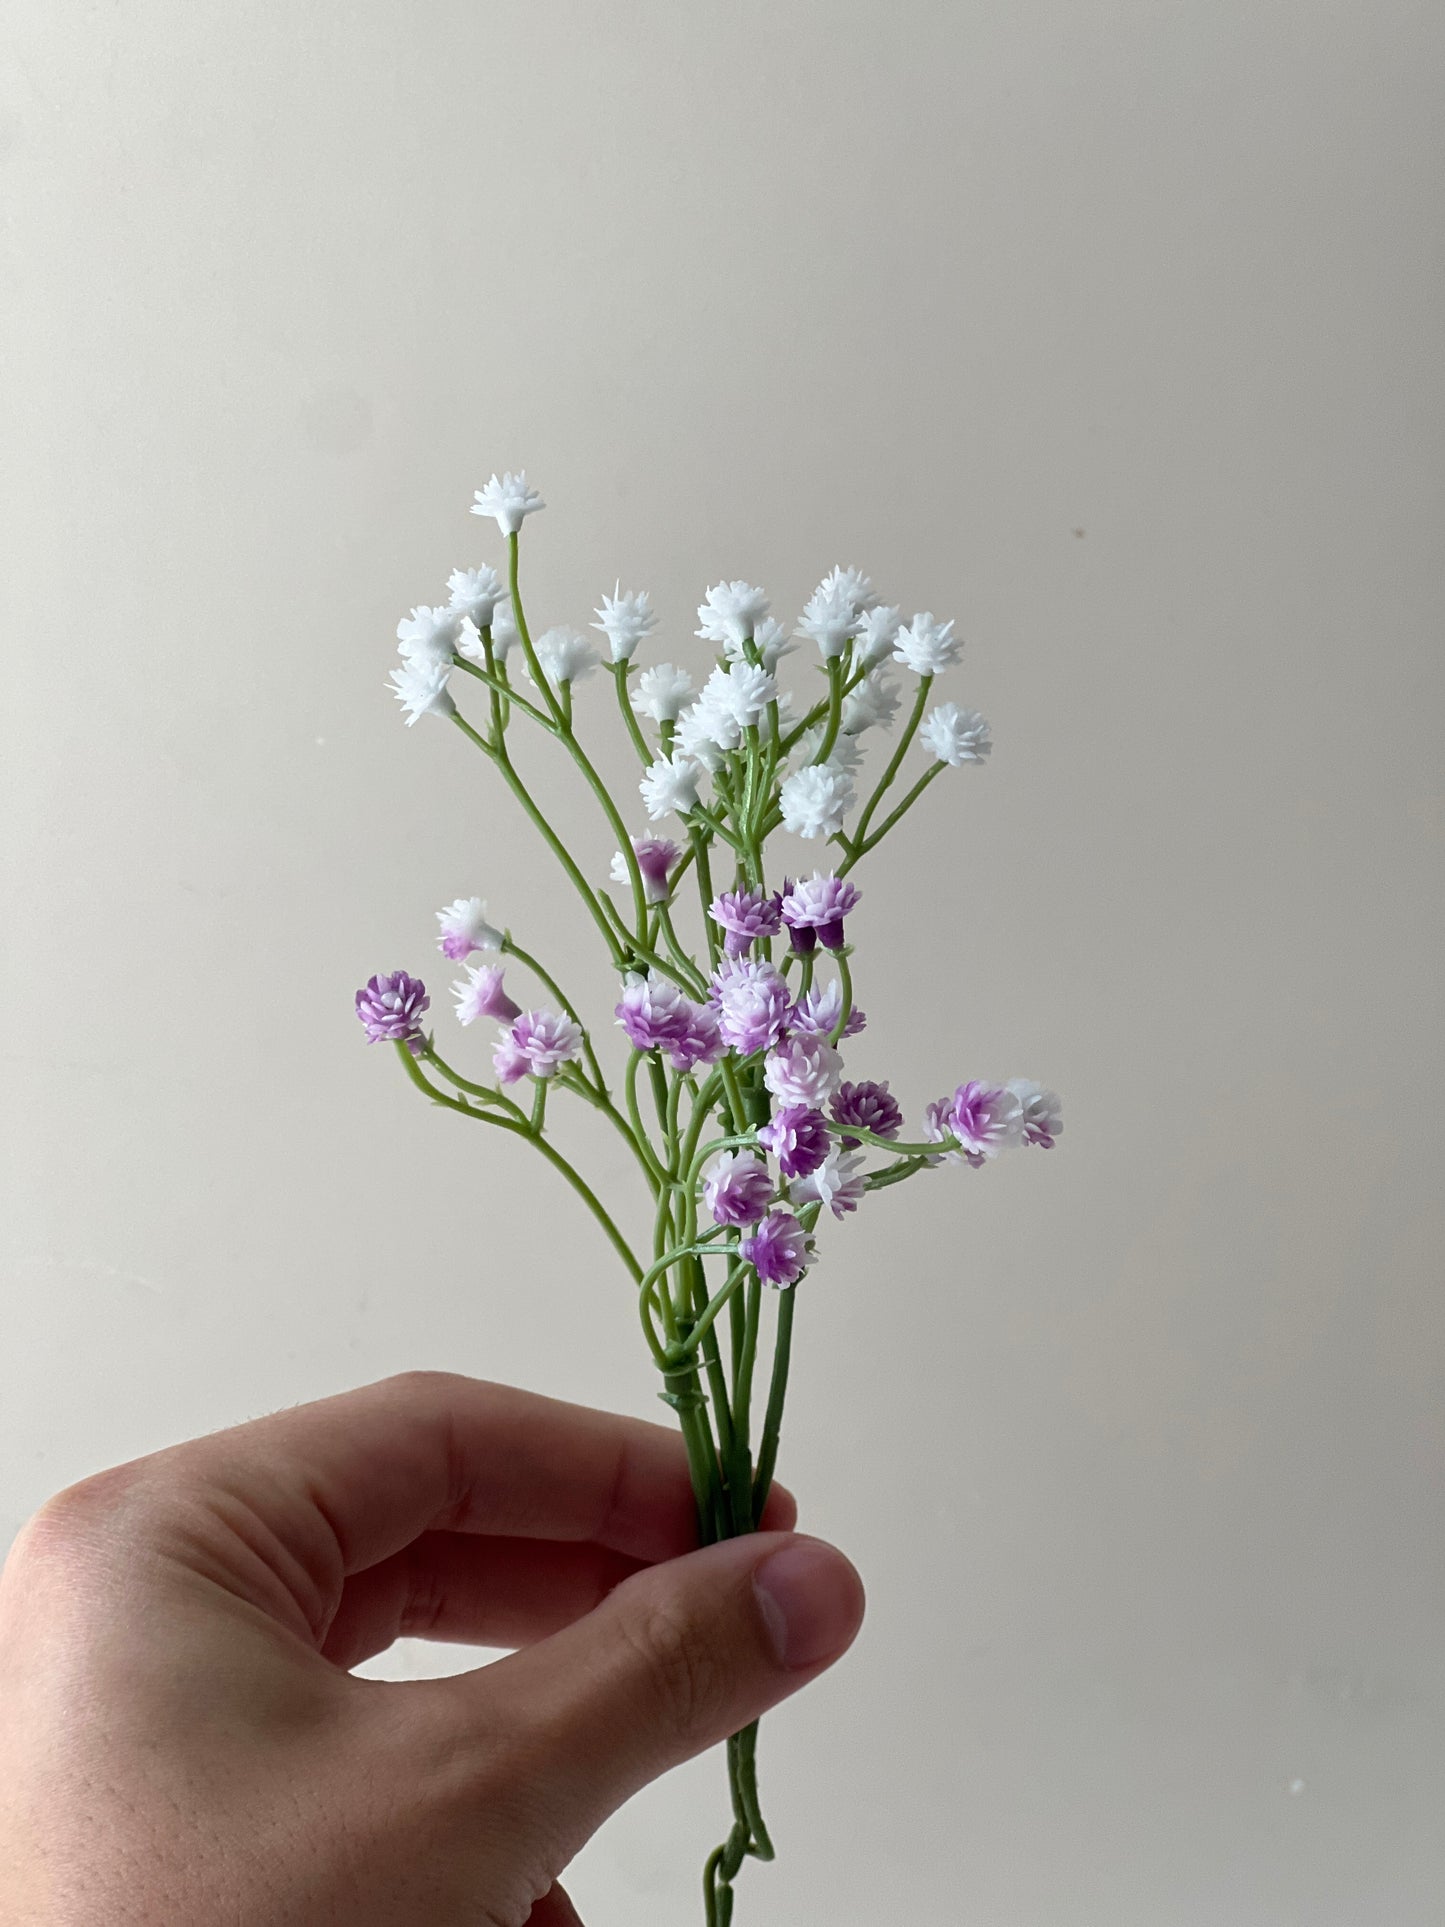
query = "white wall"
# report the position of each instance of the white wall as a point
(1112, 329)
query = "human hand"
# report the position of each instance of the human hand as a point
(182, 1740)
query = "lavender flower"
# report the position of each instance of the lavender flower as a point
(814, 909)
(986, 1119)
(817, 1013)
(655, 858)
(737, 1188)
(871, 1106)
(657, 1015)
(838, 1183)
(465, 929)
(507, 499)
(752, 1004)
(390, 1009)
(1043, 1120)
(543, 1040)
(802, 1070)
(482, 995)
(625, 617)
(744, 916)
(778, 1250)
(797, 1136)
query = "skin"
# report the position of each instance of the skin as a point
(183, 1740)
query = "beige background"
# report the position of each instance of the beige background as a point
(1112, 329)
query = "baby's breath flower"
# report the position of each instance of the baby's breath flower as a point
(475, 594)
(464, 928)
(926, 646)
(625, 617)
(390, 1009)
(846, 753)
(504, 629)
(507, 499)
(730, 612)
(771, 641)
(802, 1070)
(661, 692)
(877, 633)
(815, 800)
(655, 858)
(837, 1183)
(874, 703)
(670, 787)
(1043, 1113)
(853, 584)
(830, 620)
(565, 655)
(422, 690)
(428, 637)
(481, 994)
(955, 735)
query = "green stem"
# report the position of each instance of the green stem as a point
(549, 982)
(777, 1392)
(629, 714)
(895, 762)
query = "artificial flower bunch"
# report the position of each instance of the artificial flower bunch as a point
(733, 1096)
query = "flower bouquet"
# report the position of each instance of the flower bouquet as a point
(732, 1098)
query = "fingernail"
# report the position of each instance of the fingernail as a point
(811, 1599)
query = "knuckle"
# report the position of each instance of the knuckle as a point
(69, 1529)
(689, 1680)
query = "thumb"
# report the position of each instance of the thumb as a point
(675, 1659)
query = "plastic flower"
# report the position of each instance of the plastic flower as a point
(814, 909)
(838, 1183)
(846, 753)
(851, 583)
(802, 1070)
(869, 1105)
(877, 633)
(661, 692)
(986, 1119)
(504, 629)
(544, 1041)
(730, 612)
(752, 1004)
(390, 1009)
(657, 1015)
(815, 800)
(955, 735)
(655, 858)
(565, 656)
(927, 646)
(938, 1128)
(830, 620)
(770, 640)
(422, 691)
(625, 617)
(817, 1013)
(798, 1138)
(873, 704)
(465, 929)
(482, 995)
(744, 916)
(743, 691)
(706, 730)
(737, 1188)
(507, 499)
(1043, 1120)
(778, 1250)
(427, 638)
(475, 594)
(669, 787)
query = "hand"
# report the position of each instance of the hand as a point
(181, 1738)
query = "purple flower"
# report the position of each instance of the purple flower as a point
(838, 1182)
(797, 1136)
(986, 1119)
(737, 1187)
(818, 1012)
(751, 1001)
(938, 1129)
(745, 915)
(1043, 1113)
(872, 1107)
(538, 1044)
(802, 1070)
(655, 858)
(482, 995)
(778, 1250)
(390, 1008)
(814, 909)
(657, 1015)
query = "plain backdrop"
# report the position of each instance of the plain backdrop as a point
(1112, 330)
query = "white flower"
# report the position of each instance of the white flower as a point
(731, 612)
(815, 800)
(846, 754)
(927, 646)
(1043, 1113)
(670, 786)
(770, 639)
(476, 593)
(851, 583)
(705, 730)
(422, 690)
(955, 735)
(837, 1183)
(626, 616)
(428, 637)
(829, 620)
(742, 691)
(504, 630)
(464, 928)
(802, 1070)
(876, 636)
(873, 702)
(507, 499)
(661, 692)
(565, 656)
